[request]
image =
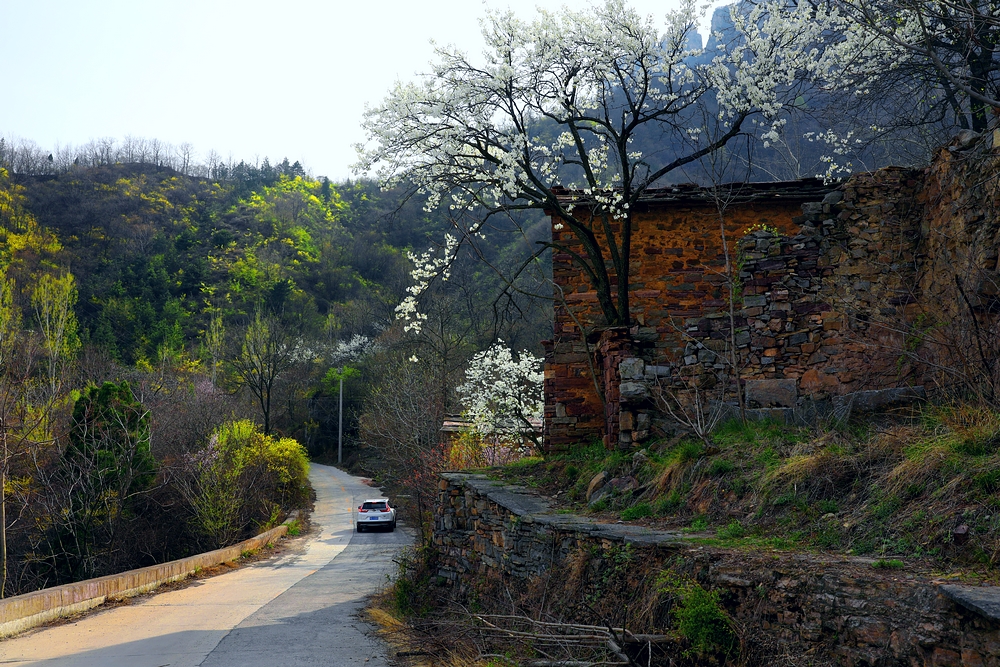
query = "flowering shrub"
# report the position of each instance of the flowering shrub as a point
(502, 394)
(243, 480)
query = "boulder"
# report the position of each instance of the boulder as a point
(638, 459)
(624, 484)
(596, 483)
(599, 495)
(833, 198)
(772, 393)
(877, 400)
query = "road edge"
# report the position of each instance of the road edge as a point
(30, 610)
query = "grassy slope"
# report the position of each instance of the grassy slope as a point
(896, 489)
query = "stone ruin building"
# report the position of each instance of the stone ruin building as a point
(853, 296)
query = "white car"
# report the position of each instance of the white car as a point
(376, 513)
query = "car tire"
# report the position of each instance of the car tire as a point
(392, 526)
(360, 529)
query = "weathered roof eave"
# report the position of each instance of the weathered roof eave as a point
(802, 190)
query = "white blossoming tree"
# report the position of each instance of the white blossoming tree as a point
(502, 394)
(564, 101)
(950, 48)
(893, 79)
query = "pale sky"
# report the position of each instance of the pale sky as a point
(245, 78)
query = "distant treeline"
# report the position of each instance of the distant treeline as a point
(24, 157)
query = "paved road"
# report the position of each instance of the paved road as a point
(295, 610)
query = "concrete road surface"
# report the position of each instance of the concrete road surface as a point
(298, 609)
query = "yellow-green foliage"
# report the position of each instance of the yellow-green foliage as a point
(244, 447)
(19, 230)
(466, 451)
(243, 477)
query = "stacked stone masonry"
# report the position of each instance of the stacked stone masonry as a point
(851, 299)
(814, 605)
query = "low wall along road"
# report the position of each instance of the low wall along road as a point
(30, 610)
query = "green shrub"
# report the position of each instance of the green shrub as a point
(978, 444)
(786, 498)
(406, 593)
(244, 479)
(687, 450)
(106, 468)
(863, 546)
(669, 503)
(720, 467)
(828, 537)
(593, 451)
(734, 530)
(768, 458)
(988, 482)
(501, 662)
(891, 564)
(637, 511)
(109, 439)
(887, 508)
(698, 616)
(699, 523)
(827, 507)
(736, 432)
(526, 462)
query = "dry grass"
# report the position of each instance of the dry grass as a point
(411, 642)
(897, 487)
(672, 476)
(798, 469)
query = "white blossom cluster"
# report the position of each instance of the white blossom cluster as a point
(784, 46)
(426, 267)
(351, 350)
(502, 393)
(468, 134)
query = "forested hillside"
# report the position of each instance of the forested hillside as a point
(164, 337)
(155, 254)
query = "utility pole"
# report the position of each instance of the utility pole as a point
(340, 420)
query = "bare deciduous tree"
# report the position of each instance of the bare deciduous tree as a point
(269, 348)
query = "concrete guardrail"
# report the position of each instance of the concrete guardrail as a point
(27, 611)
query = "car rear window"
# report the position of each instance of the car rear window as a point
(374, 506)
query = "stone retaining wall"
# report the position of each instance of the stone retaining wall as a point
(826, 609)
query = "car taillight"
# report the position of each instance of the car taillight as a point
(362, 509)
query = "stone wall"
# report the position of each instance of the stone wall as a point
(823, 609)
(888, 284)
(823, 312)
(677, 275)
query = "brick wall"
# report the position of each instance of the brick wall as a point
(863, 296)
(677, 276)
